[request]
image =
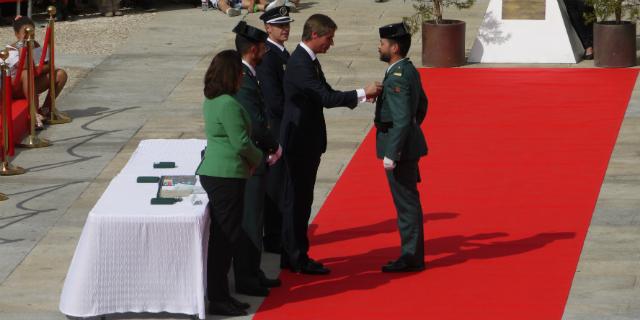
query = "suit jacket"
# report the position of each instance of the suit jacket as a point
(306, 93)
(401, 108)
(271, 75)
(230, 152)
(250, 97)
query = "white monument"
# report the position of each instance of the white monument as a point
(552, 40)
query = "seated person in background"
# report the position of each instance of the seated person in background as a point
(20, 90)
(233, 7)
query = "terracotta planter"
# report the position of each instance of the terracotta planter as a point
(614, 45)
(443, 44)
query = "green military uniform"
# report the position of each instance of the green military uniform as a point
(247, 260)
(400, 110)
(250, 97)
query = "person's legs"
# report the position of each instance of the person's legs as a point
(228, 7)
(61, 81)
(406, 198)
(576, 10)
(116, 8)
(303, 178)
(222, 5)
(106, 7)
(226, 222)
(22, 92)
(247, 258)
(253, 6)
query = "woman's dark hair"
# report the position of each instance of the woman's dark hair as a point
(21, 22)
(223, 74)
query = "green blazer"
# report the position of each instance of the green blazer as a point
(230, 152)
(400, 110)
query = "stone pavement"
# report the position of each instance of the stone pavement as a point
(151, 87)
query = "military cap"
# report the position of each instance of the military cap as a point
(249, 32)
(394, 30)
(277, 15)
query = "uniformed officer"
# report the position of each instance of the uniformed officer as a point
(270, 73)
(250, 279)
(400, 143)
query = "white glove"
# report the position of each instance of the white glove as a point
(274, 157)
(388, 164)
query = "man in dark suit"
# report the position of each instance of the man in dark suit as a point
(271, 74)
(250, 279)
(304, 136)
(400, 143)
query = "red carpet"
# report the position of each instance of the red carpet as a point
(517, 158)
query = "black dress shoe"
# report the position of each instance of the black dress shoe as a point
(284, 262)
(256, 291)
(312, 267)
(401, 265)
(588, 56)
(269, 283)
(225, 308)
(239, 304)
(316, 263)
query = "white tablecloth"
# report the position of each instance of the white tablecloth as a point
(135, 257)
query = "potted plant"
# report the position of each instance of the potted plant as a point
(443, 40)
(614, 41)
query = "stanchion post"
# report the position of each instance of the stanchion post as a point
(56, 117)
(3, 197)
(32, 141)
(6, 169)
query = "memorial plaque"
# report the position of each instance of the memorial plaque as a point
(523, 9)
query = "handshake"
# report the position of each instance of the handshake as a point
(372, 91)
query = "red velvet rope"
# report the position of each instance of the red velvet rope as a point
(8, 105)
(45, 46)
(23, 56)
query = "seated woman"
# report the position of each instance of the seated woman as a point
(233, 7)
(20, 90)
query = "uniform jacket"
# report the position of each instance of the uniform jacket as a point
(250, 97)
(401, 107)
(230, 152)
(306, 93)
(271, 74)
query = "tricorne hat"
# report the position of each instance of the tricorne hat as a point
(252, 33)
(394, 30)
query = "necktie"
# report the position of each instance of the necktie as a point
(318, 68)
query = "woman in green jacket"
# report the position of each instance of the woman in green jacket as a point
(229, 159)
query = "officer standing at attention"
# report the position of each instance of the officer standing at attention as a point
(250, 279)
(270, 74)
(400, 143)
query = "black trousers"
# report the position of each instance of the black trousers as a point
(226, 229)
(299, 184)
(576, 10)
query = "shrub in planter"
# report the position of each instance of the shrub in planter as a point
(614, 39)
(442, 39)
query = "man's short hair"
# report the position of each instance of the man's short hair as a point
(404, 44)
(21, 22)
(244, 44)
(318, 23)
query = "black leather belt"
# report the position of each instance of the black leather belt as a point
(383, 126)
